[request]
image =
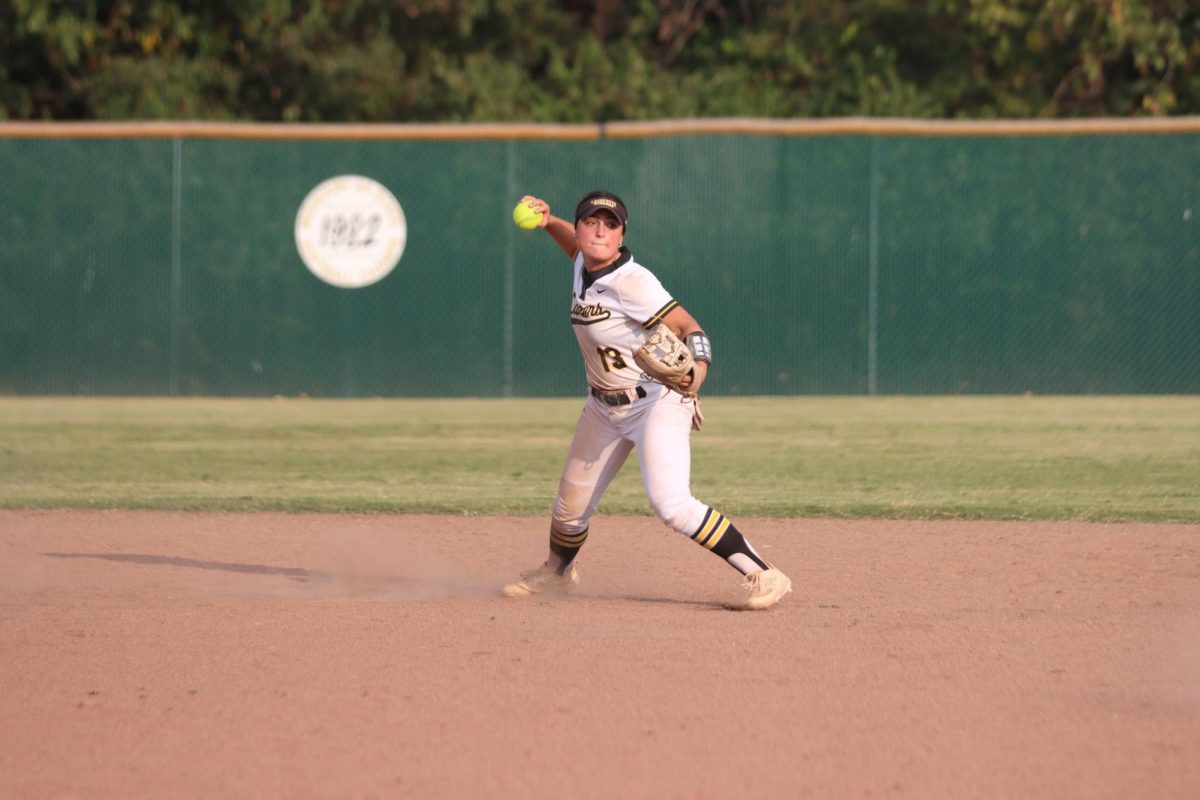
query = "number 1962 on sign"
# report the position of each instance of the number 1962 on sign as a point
(350, 231)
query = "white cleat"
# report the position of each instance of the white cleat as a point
(764, 589)
(543, 580)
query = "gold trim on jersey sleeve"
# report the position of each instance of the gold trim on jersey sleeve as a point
(662, 312)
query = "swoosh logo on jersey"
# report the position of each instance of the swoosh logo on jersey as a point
(588, 314)
(601, 291)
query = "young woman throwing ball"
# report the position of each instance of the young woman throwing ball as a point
(615, 304)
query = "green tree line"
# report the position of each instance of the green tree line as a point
(595, 60)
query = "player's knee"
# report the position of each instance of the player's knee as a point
(572, 507)
(678, 513)
(568, 520)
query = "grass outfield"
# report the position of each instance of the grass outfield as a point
(1084, 458)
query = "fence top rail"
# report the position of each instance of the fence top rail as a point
(295, 131)
(838, 126)
(881, 126)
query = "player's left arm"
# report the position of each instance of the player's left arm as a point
(683, 324)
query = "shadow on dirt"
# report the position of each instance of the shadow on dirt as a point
(295, 573)
(429, 585)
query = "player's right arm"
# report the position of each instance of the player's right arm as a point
(561, 231)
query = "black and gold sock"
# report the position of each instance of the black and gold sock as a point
(718, 534)
(564, 547)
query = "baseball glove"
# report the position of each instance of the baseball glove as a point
(666, 359)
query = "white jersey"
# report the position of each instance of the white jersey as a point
(612, 312)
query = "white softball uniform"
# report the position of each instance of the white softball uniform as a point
(612, 313)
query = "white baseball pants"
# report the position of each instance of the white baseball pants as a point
(659, 427)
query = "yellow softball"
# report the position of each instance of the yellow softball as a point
(526, 218)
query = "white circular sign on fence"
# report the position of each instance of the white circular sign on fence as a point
(350, 231)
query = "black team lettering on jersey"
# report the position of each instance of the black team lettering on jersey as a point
(588, 314)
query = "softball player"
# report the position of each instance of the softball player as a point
(615, 302)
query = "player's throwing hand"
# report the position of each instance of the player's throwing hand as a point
(540, 206)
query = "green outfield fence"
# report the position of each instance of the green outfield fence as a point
(825, 257)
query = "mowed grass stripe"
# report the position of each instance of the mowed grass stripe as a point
(1087, 458)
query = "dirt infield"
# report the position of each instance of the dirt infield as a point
(276, 656)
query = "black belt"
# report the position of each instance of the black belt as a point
(622, 397)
